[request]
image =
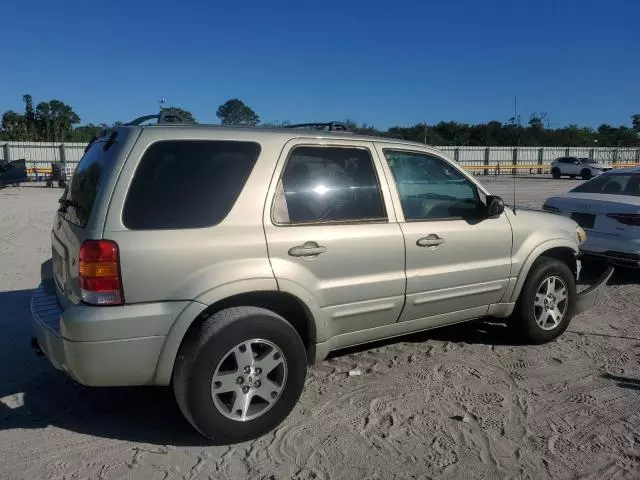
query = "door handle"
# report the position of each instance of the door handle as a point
(430, 241)
(307, 249)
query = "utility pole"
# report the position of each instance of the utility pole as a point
(425, 133)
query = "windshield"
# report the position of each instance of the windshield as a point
(613, 184)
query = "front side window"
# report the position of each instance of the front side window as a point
(328, 184)
(431, 189)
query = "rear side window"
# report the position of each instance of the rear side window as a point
(82, 190)
(187, 183)
(328, 184)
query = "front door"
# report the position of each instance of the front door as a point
(332, 235)
(458, 261)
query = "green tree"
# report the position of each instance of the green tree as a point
(55, 121)
(29, 117)
(14, 126)
(635, 121)
(235, 112)
(186, 114)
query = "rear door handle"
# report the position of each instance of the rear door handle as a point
(430, 241)
(307, 249)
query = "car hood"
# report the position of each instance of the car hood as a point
(535, 219)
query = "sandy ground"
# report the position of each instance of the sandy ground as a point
(459, 402)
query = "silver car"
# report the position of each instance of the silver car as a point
(225, 260)
(608, 208)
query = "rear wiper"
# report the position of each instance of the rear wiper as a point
(66, 203)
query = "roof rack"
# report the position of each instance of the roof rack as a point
(163, 117)
(330, 126)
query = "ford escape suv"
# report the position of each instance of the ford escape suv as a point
(225, 260)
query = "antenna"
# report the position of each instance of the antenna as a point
(515, 116)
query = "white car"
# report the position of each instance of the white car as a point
(577, 167)
(608, 208)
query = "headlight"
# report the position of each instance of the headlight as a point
(581, 235)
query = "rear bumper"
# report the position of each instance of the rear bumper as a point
(587, 298)
(76, 340)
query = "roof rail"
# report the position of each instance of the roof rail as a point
(330, 126)
(163, 117)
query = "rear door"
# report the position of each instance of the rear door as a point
(332, 234)
(458, 261)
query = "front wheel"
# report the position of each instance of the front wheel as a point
(547, 302)
(239, 374)
(586, 174)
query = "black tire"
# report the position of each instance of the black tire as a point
(203, 350)
(586, 174)
(555, 172)
(523, 321)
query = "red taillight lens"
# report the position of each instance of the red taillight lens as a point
(100, 281)
(632, 219)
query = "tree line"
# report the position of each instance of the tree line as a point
(55, 121)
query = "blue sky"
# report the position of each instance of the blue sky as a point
(384, 63)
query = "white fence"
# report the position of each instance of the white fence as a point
(39, 156)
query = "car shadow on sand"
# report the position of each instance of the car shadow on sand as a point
(623, 382)
(34, 395)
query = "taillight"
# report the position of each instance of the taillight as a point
(100, 281)
(632, 219)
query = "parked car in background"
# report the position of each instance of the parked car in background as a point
(224, 260)
(608, 208)
(12, 173)
(573, 167)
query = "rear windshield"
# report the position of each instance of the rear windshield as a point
(187, 183)
(84, 185)
(612, 184)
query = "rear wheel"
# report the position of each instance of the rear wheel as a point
(239, 374)
(547, 302)
(555, 172)
(586, 174)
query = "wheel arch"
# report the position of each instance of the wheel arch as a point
(561, 250)
(285, 304)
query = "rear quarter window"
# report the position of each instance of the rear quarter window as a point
(183, 184)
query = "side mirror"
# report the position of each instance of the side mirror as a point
(576, 162)
(495, 206)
